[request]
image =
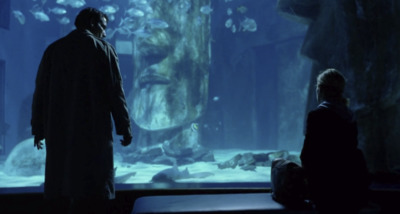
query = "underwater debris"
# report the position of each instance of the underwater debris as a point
(249, 161)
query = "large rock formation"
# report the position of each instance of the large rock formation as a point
(170, 88)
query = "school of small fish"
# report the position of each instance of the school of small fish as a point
(130, 13)
(245, 24)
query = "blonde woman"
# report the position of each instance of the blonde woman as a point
(335, 168)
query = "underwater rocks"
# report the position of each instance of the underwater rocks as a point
(25, 160)
(161, 154)
(249, 161)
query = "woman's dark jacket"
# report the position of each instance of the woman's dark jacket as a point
(334, 166)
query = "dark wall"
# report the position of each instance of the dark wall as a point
(360, 38)
(5, 14)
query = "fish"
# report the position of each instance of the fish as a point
(242, 9)
(109, 9)
(195, 127)
(19, 16)
(142, 33)
(43, 1)
(248, 25)
(111, 17)
(39, 14)
(184, 6)
(122, 178)
(137, 1)
(124, 31)
(198, 21)
(145, 8)
(228, 23)
(133, 12)
(62, 2)
(170, 175)
(57, 10)
(206, 9)
(64, 20)
(72, 3)
(128, 22)
(233, 28)
(157, 23)
(77, 3)
(229, 11)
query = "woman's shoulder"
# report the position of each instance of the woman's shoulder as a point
(318, 112)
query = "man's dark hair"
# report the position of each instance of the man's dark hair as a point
(87, 16)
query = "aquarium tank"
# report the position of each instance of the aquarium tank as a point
(232, 95)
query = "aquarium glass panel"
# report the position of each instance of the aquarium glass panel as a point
(216, 89)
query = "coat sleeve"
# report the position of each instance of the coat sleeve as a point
(40, 96)
(312, 142)
(119, 109)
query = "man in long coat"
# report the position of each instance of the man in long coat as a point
(78, 90)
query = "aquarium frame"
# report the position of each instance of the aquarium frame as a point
(226, 187)
(2, 107)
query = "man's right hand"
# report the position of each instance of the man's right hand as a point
(127, 140)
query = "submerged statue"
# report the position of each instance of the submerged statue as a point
(170, 88)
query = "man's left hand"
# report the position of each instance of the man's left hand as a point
(38, 142)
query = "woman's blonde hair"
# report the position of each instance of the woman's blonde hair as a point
(330, 84)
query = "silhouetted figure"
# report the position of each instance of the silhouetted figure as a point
(78, 90)
(335, 168)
